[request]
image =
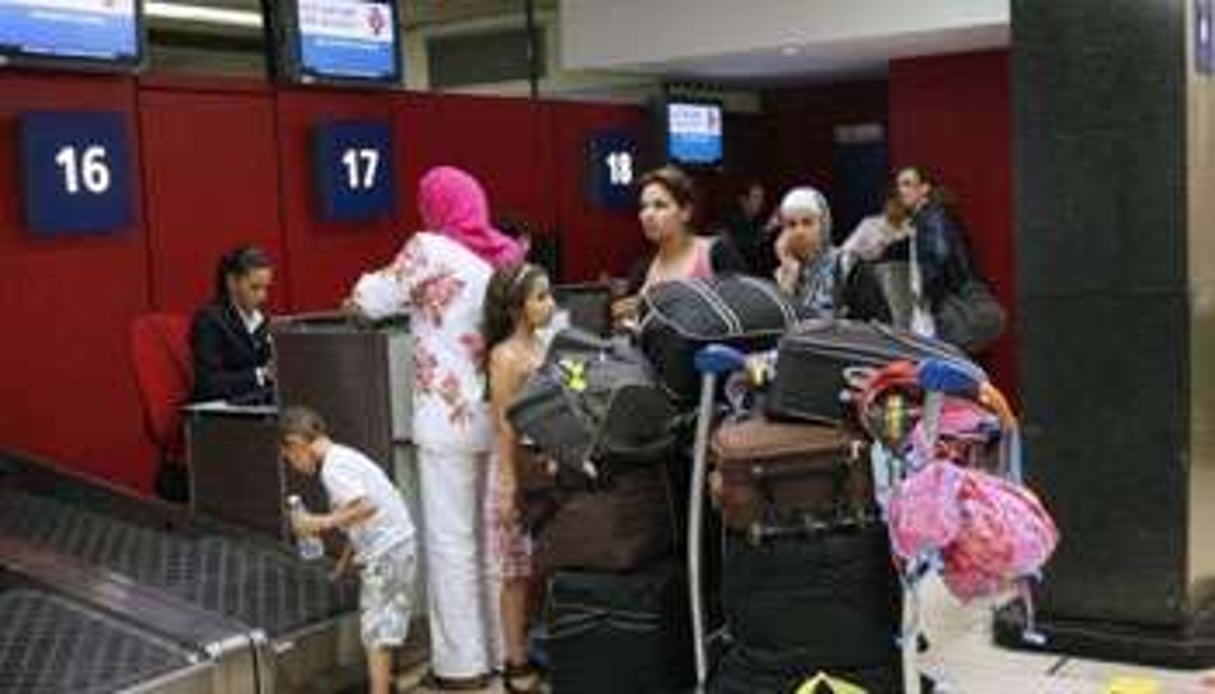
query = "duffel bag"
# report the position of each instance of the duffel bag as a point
(595, 402)
(610, 633)
(682, 316)
(812, 358)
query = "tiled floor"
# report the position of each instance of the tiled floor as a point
(963, 659)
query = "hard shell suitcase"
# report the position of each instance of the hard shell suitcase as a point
(812, 358)
(782, 474)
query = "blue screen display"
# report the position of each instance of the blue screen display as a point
(348, 39)
(105, 30)
(694, 133)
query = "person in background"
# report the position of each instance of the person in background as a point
(365, 506)
(518, 307)
(942, 261)
(668, 203)
(230, 337)
(745, 228)
(439, 278)
(884, 242)
(822, 280)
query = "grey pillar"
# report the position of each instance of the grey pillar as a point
(1115, 199)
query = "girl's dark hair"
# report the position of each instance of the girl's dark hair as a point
(504, 299)
(238, 263)
(675, 181)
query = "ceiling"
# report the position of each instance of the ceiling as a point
(823, 61)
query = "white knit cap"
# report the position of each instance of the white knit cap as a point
(804, 200)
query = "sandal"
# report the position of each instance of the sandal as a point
(522, 679)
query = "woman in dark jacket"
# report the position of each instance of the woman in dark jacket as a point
(940, 247)
(230, 336)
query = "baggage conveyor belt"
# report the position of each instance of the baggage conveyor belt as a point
(258, 586)
(52, 644)
(148, 589)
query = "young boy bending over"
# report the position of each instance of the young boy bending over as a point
(363, 504)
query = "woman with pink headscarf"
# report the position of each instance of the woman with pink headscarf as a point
(439, 278)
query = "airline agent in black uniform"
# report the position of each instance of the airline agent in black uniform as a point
(230, 336)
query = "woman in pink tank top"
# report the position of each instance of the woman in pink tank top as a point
(666, 211)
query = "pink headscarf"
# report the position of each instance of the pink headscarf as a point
(453, 204)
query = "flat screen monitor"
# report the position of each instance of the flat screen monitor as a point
(589, 306)
(341, 41)
(97, 34)
(694, 132)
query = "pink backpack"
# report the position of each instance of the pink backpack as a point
(989, 530)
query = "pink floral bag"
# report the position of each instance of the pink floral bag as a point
(989, 530)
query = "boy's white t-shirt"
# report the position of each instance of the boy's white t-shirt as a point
(348, 475)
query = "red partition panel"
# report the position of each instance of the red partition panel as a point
(324, 258)
(593, 240)
(952, 115)
(504, 143)
(211, 179)
(805, 120)
(67, 389)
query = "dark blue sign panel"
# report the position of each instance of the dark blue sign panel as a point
(613, 169)
(348, 39)
(354, 171)
(76, 171)
(105, 30)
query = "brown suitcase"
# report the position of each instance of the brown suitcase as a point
(617, 528)
(782, 474)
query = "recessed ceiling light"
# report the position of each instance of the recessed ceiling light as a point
(790, 50)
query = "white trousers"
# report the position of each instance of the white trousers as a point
(465, 635)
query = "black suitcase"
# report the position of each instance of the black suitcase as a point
(612, 633)
(834, 597)
(593, 403)
(812, 357)
(682, 316)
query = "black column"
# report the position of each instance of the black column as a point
(1100, 130)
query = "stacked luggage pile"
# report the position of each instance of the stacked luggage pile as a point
(800, 572)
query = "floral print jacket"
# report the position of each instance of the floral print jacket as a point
(441, 285)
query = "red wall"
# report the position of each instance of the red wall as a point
(803, 143)
(952, 115)
(66, 390)
(223, 163)
(593, 240)
(324, 258)
(210, 172)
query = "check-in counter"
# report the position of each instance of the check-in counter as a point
(359, 376)
(236, 475)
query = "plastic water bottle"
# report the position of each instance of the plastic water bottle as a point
(310, 547)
